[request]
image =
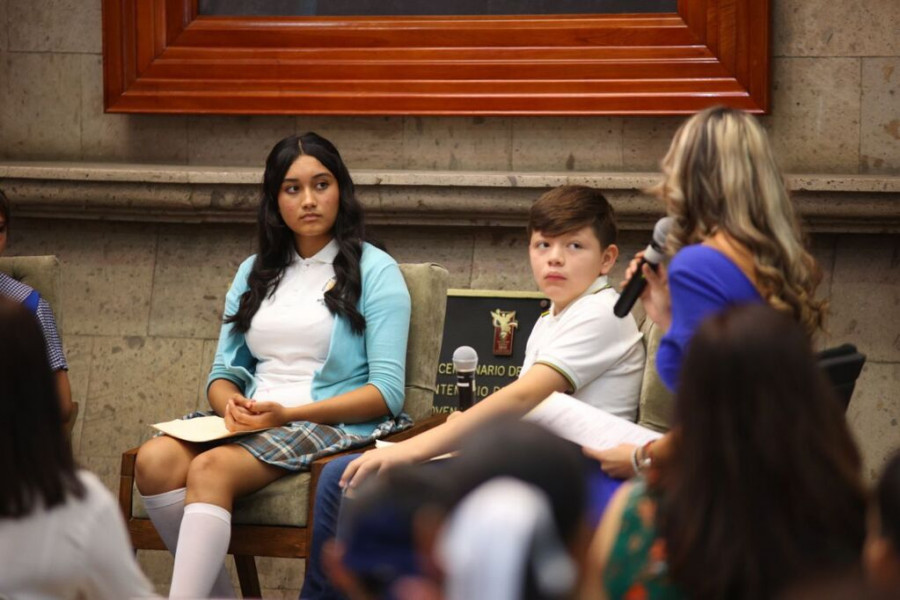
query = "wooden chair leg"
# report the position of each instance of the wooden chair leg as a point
(246, 570)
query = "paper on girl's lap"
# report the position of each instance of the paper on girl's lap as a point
(200, 429)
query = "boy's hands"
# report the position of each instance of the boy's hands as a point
(615, 462)
(375, 461)
(655, 297)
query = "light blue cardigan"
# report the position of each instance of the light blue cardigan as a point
(377, 357)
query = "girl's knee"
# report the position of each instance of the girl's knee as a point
(209, 469)
(159, 466)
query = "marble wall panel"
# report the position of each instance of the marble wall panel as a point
(55, 26)
(879, 145)
(450, 248)
(79, 350)
(825, 28)
(111, 137)
(364, 142)
(42, 112)
(874, 416)
(567, 144)
(824, 249)
(134, 382)
(279, 593)
(107, 272)
(500, 261)
(457, 143)
(194, 269)
(4, 30)
(105, 467)
(4, 91)
(235, 141)
(157, 565)
(206, 360)
(814, 125)
(645, 141)
(865, 298)
(280, 574)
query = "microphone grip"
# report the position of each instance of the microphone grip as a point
(633, 290)
(465, 386)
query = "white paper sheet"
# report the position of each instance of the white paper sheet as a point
(586, 425)
(201, 429)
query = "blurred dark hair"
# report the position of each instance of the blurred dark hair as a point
(529, 453)
(567, 208)
(36, 464)
(764, 486)
(887, 495)
(276, 240)
(377, 526)
(378, 523)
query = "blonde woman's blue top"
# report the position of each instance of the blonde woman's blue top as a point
(377, 357)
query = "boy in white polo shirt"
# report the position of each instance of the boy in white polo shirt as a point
(578, 347)
(599, 355)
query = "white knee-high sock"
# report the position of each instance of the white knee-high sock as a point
(202, 545)
(166, 511)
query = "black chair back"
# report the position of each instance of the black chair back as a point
(842, 365)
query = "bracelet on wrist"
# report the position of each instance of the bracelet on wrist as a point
(635, 465)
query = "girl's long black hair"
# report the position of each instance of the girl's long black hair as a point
(276, 240)
(763, 489)
(36, 464)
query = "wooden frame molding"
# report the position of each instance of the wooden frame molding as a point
(160, 56)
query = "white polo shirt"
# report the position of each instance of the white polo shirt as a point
(599, 354)
(290, 334)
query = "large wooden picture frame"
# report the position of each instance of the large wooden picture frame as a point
(160, 56)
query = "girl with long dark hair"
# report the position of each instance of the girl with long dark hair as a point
(761, 490)
(51, 513)
(313, 346)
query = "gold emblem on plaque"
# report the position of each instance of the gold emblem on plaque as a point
(505, 325)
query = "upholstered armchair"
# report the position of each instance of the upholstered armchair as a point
(43, 274)
(277, 520)
(656, 406)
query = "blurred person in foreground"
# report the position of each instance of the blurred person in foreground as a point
(761, 488)
(504, 519)
(61, 532)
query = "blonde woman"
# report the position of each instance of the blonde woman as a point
(735, 241)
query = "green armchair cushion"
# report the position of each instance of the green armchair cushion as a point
(657, 403)
(41, 273)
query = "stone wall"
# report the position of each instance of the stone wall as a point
(144, 282)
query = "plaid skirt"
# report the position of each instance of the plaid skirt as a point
(296, 445)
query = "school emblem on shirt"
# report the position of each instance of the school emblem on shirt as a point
(505, 325)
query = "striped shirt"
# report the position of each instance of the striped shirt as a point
(18, 291)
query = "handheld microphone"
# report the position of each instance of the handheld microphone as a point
(653, 255)
(465, 361)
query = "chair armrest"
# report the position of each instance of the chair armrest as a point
(420, 427)
(126, 482)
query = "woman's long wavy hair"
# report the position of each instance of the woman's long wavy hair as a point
(763, 488)
(720, 175)
(276, 240)
(36, 464)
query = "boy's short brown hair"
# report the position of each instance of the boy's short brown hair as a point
(570, 207)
